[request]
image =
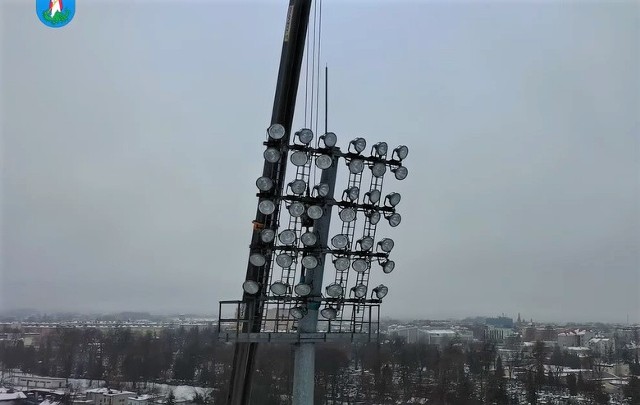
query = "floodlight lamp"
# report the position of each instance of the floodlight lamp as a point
(360, 265)
(288, 237)
(305, 135)
(276, 131)
(324, 162)
(342, 263)
(314, 212)
(392, 199)
(334, 290)
(257, 259)
(388, 266)
(381, 149)
(373, 196)
(347, 215)
(267, 235)
(366, 243)
(340, 241)
(329, 313)
(329, 139)
(309, 239)
(401, 152)
(302, 289)
(266, 207)
(271, 155)
(359, 144)
(296, 209)
(394, 219)
(356, 166)
(284, 260)
(359, 291)
(352, 193)
(310, 262)
(322, 189)
(374, 217)
(298, 186)
(299, 158)
(264, 183)
(298, 312)
(251, 287)
(386, 245)
(378, 169)
(381, 291)
(279, 288)
(401, 172)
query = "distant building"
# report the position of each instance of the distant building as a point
(141, 400)
(106, 396)
(575, 338)
(601, 346)
(35, 381)
(410, 334)
(444, 337)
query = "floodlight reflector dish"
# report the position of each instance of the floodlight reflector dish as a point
(366, 243)
(334, 290)
(298, 312)
(393, 199)
(296, 209)
(271, 155)
(315, 212)
(401, 172)
(322, 189)
(378, 169)
(373, 195)
(353, 193)
(359, 291)
(266, 207)
(309, 239)
(305, 135)
(298, 186)
(381, 291)
(279, 288)
(299, 158)
(359, 144)
(302, 289)
(267, 235)
(394, 219)
(388, 266)
(284, 260)
(340, 241)
(401, 152)
(329, 313)
(386, 245)
(257, 259)
(251, 287)
(329, 139)
(374, 217)
(381, 149)
(324, 162)
(342, 263)
(288, 237)
(276, 131)
(356, 166)
(264, 183)
(310, 262)
(360, 265)
(347, 214)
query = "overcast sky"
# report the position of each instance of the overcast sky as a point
(131, 141)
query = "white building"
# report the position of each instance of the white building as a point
(601, 346)
(575, 338)
(444, 337)
(140, 400)
(106, 396)
(35, 381)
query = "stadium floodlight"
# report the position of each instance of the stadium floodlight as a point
(287, 237)
(359, 144)
(296, 209)
(257, 259)
(298, 186)
(329, 313)
(305, 136)
(400, 172)
(251, 287)
(298, 312)
(392, 199)
(302, 289)
(378, 169)
(322, 189)
(299, 158)
(356, 166)
(386, 245)
(360, 265)
(352, 193)
(266, 207)
(276, 131)
(279, 288)
(359, 291)
(388, 266)
(309, 238)
(310, 262)
(365, 243)
(394, 219)
(284, 260)
(373, 196)
(314, 212)
(334, 290)
(329, 139)
(381, 291)
(374, 217)
(347, 214)
(264, 183)
(342, 263)
(324, 162)
(401, 152)
(381, 149)
(340, 241)
(267, 235)
(271, 155)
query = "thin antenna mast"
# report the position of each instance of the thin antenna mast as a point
(326, 98)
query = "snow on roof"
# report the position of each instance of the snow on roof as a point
(145, 397)
(107, 391)
(5, 396)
